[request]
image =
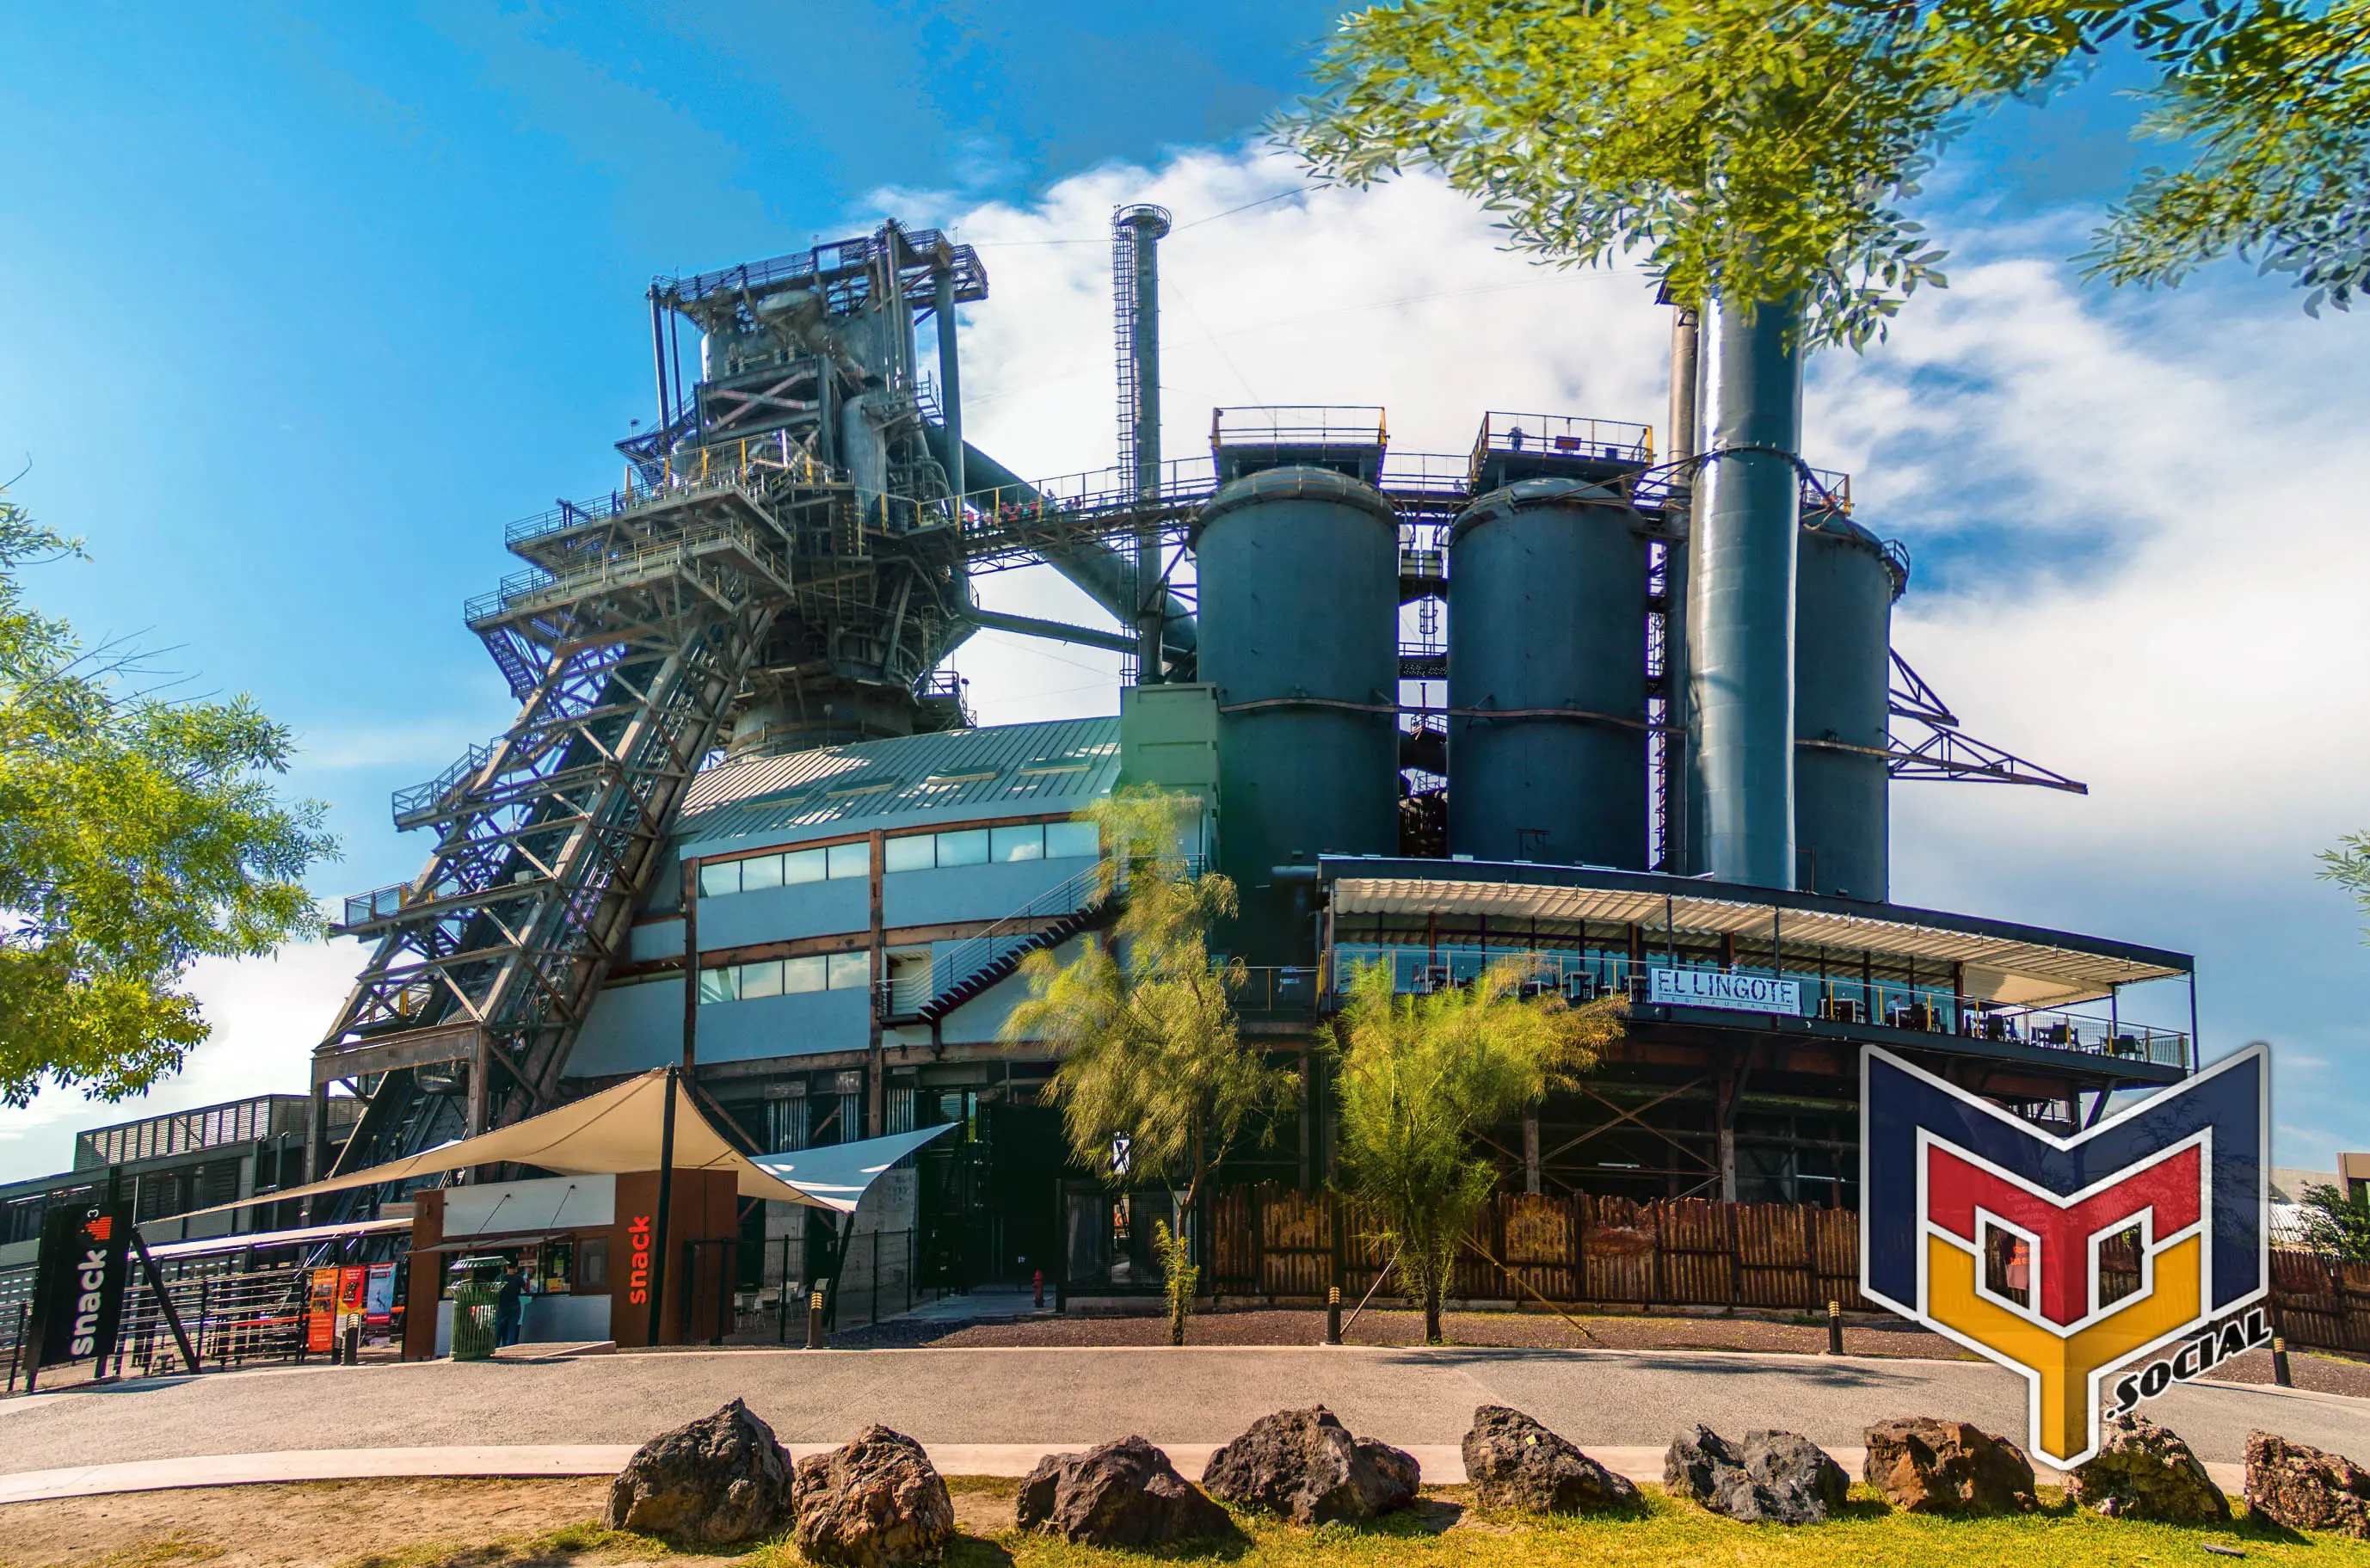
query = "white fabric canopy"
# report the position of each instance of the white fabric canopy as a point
(617, 1130)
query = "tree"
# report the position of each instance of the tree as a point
(137, 835)
(2273, 98)
(2337, 1226)
(1143, 1026)
(1753, 151)
(1417, 1077)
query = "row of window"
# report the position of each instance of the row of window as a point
(759, 871)
(992, 846)
(787, 977)
(910, 851)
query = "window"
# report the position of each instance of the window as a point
(764, 872)
(1026, 842)
(592, 1263)
(719, 985)
(804, 866)
(851, 970)
(802, 975)
(717, 878)
(760, 979)
(968, 847)
(849, 860)
(913, 852)
(1073, 841)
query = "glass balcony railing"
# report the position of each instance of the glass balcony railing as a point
(1925, 1008)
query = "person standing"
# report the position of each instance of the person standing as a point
(509, 1306)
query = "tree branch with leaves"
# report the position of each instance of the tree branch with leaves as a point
(1144, 1025)
(137, 835)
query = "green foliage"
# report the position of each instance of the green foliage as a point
(1750, 151)
(1144, 1025)
(2272, 100)
(2337, 1226)
(1417, 1077)
(1179, 1276)
(2348, 866)
(137, 835)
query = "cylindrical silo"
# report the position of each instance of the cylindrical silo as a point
(1844, 586)
(1546, 620)
(1298, 574)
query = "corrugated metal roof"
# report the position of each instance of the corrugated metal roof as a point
(918, 780)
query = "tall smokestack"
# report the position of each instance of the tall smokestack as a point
(1742, 655)
(1135, 295)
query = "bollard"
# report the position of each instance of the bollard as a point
(2280, 1362)
(1040, 1284)
(1333, 1315)
(1834, 1328)
(814, 1319)
(354, 1345)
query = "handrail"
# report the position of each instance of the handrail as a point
(426, 797)
(959, 963)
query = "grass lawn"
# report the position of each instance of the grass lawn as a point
(1440, 1530)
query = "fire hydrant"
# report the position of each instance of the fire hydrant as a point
(1040, 1283)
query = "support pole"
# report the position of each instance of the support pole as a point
(690, 968)
(164, 1303)
(659, 360)
(659, 1227)
(1682, 854)
(1742, 641)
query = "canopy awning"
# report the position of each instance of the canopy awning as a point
(203, 1247)
(621, 1130)
(2013, 965)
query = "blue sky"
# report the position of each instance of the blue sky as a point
(302, 303)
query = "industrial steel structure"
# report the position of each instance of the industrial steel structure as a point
(744, 821)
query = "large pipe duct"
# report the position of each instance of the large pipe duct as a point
(1682, 778)
(1136, 232)
(1741, 622)
(1103, 573)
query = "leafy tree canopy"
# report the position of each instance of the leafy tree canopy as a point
(1749, 150)
(137, 835)
(2336, 1226)
(2275, 105)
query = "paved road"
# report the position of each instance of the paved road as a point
(1080, 1396)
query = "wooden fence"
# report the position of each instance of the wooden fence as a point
(1277, 1242)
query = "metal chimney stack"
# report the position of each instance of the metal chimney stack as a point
(1136, 232)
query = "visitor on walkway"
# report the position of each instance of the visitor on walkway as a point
(509, 1306)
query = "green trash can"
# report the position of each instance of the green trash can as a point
(477, 1297)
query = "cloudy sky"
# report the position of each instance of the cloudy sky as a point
(301, 305)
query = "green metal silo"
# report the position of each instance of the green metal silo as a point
(1298, 573)
(1844, 586)
(1547, 621)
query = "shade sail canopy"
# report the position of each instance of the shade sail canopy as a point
(837, 1174)
(619, 1129)
(2002, 963)
(204, 1246)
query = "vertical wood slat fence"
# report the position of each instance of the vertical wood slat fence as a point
(1276, 1242)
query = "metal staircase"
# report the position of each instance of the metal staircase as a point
(1086, 901)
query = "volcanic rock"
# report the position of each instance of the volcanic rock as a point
(1122, 1494)
(716, 1482)
(2145, 1471)
(2306, 1489)
(1924, 1466)
(1515, 1465)
(874, 1503)
(1303, 1466)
